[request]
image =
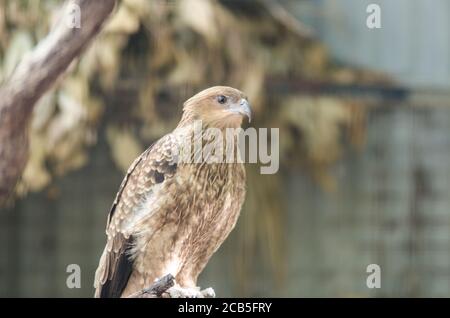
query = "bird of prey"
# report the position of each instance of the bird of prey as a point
(171, 215)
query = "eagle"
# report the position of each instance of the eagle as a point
(170, 215)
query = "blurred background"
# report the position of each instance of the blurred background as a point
(364, 123)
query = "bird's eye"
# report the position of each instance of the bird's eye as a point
(221, 99)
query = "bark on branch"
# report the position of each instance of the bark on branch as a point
(35, 75)
(157, 289)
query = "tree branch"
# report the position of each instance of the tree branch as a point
(157, 289)
(285, 18)
(35, 75)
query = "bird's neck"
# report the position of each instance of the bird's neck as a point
(210, 141)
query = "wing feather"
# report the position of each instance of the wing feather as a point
(124, 183)
(152, 167)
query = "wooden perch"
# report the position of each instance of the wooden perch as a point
(34, 76)
(157, 289)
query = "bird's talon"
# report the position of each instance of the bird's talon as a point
(208, 293)
(186, 292)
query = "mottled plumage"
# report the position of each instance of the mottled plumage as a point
(171, 216)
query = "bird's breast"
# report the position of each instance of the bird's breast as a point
(200, 207)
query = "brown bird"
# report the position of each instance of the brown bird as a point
(171, 215)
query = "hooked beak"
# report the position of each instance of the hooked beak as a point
(242, 108)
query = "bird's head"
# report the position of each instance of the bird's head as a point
(218, 106)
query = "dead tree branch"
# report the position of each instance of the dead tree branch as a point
(157, 289)
(35, 75)
(285, 18)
